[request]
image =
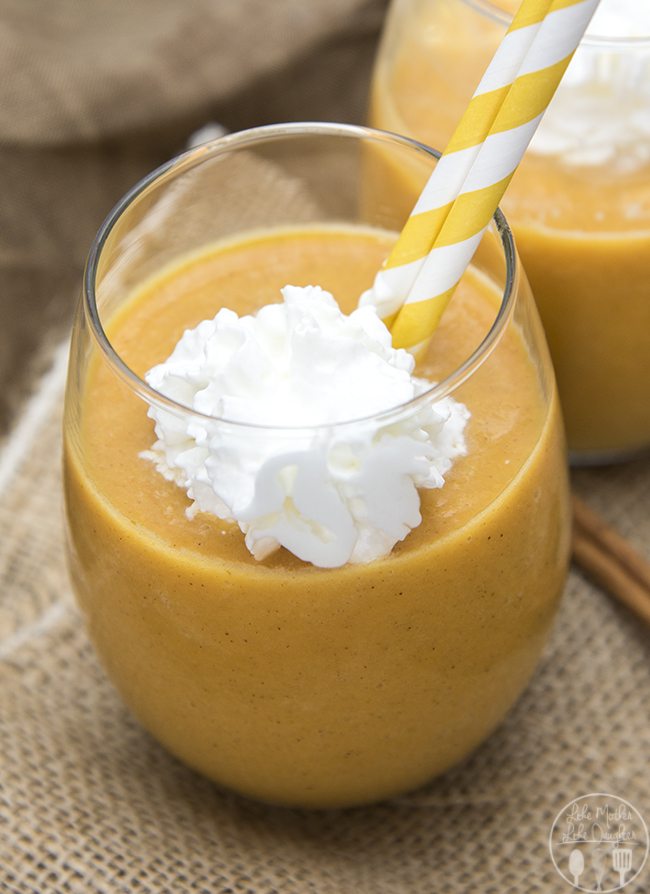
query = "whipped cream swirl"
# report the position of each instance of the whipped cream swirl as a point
(600, 115)
(330, 493)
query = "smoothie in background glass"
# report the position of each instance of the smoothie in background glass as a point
(291, 683)
(579, 202)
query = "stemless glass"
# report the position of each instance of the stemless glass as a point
(579, 203)
(290, 683)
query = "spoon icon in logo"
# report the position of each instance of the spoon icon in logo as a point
(576, 865)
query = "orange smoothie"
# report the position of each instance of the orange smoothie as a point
(581, 217)
(295, 684)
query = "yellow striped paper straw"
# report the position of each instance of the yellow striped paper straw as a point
(407, 256)
(430, 270)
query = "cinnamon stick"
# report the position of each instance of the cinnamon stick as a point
(610, 560)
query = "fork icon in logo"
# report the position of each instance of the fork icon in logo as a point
(622, 862)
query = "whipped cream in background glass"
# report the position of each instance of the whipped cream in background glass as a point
(330, 494)
(601, 112)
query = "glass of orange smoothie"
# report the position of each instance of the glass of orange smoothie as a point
(335, 677)
(579, 203)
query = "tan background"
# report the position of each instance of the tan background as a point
(95, 93)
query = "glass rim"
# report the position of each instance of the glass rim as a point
(247, 138)
(490, 9)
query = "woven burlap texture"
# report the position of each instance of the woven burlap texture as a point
(90, 803)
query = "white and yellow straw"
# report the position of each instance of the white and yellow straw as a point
(446, 225)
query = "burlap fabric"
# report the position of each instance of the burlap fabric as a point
(90, 803)
(96, 93)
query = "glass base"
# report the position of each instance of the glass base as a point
(581, 459)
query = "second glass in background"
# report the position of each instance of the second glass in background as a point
(579, 203)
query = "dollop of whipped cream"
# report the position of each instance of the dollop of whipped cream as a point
(330, 490)
(600, 114)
